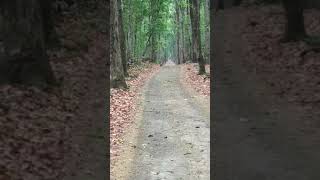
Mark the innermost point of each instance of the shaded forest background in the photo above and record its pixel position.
(281, 49)
(52, 53)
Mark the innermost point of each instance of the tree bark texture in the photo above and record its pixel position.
(25, 32)
(116, 68)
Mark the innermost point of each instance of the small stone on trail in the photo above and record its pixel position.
(197, 127)
(165, 137)
(144, 145)
(150, 135)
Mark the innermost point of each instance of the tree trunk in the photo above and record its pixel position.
(193, 33)
(51, 36)
(177, 32)
(25, 60)
(158, 53)
(190, 44)
(196, 36)
(108, 51)
(116, 69)
(153, 48)
(153, 32)
(182, 35)
(295, 29)
(130, 33)
(188, 31)
(135, 45)
(207, 30)
(122, 39)
(212, 10)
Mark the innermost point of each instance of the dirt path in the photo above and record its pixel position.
(170, 139)
(256, 136)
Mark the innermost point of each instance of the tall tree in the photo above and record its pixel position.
(25, 35)
(178, 48)
(182, 37)
(211, 10)
(189, 34)
(117, 79)
(154, 9)
(206, 32)
(193, 33)
(122, 39)
(158, 27)
(196, 35)
(295, 29)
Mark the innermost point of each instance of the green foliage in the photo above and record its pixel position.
(144, 19)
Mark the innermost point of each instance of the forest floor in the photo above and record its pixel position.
(169, 137)
(292, 69)
(123, 104)
(259, 134)
(40, 130)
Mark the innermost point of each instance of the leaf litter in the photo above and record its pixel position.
(123, 103)
(290, 69)
(200, 83)
(35, 125)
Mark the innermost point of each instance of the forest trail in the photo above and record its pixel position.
(169, 63)
(255, 135)
(171, 136)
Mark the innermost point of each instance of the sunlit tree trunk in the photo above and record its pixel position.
(190, 36)
(116, 68)
(212, 10)
(122, 39)
(182, 34)
(130, 44)
(196, 35)
(177, 32)
(193, 33)
(207, 29)
(153, 15)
